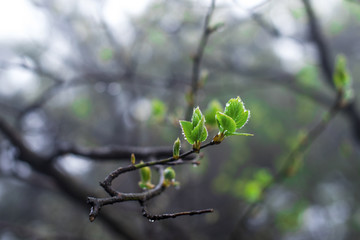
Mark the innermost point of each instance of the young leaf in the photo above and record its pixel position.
(196, 117)
(204, 134)
(213, 107)
(234, 117)
(236, 110)
(226, 124)
(195, 131)
(187, 129)
(198, 130)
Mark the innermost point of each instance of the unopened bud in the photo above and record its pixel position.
(176, 149)
(132, 159)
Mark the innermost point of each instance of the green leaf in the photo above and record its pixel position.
(82, 107)
(298, 13)
(204, 134)
(106, 54)
(341, 76)
(217, 26)
(213, 107)
(308, 75)
(158, 108)
(197, 132)
(242, 119)
(187, 129)
(342, 79)
(226, 124)
(196, 117)
(236, 110)
(263, 177)
(234, 117)
(252, 191)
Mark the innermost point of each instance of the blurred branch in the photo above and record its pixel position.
(24, 232)
(326, 63)
(279, 78)
(285, 170)
(24, 153)
(114, 152)
(325, 58)
(91, 78)
(115, 44)
(57, 87)
(5, 106)
(97, 203)
(43, 99)
(259, 19)
(270, 28)
(38, 69)
(197, 59)
(34, 179)
(65, 183)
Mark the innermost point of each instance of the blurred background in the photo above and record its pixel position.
(98, 73)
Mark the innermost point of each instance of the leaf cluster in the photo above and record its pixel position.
(234, 117)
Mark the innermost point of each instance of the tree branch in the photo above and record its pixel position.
(284, 171)
(154, 218)
(197, 59)
(326, 63)
(325, 58)
(65, 183)
(115, 196)
(114, 152)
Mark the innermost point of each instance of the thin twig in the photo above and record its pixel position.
(97, 203)
(106, 184)
(115, 196)
(154, 218)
